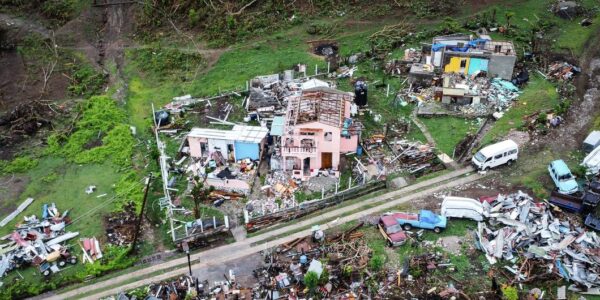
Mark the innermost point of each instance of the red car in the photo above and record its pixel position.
(391, 230)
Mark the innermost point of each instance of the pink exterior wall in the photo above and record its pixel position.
(194, 143)
(349, 145)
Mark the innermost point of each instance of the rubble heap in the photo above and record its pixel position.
(120, 227)
(562, 71)
(277, 194)
(519, 227)
(412, 156)
(38, 242)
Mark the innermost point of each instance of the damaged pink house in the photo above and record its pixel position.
(317, 131)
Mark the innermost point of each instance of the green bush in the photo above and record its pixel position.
(510, 293)
(18, 165)
(129, 189)
(113, 258)
(100, 134)
(376, 263)
(311, 279)
(193, 17)
(86, 81)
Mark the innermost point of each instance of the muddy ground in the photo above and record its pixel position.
(11, 187)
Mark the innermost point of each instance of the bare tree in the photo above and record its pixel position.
(49, 68)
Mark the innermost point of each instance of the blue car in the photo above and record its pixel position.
(562, 177)
(424, 219)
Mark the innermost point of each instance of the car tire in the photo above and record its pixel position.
(62, 263)
(46, 273)
(407, 227)
(437, 230)
(73, 260)
(509, 162)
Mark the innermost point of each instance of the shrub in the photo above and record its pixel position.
(193, 17)
(86, 81)
(510, 293)
(113, 258)
(101, 117)
(311, 279)
(18, 165)
(376, 263)
(129, 189)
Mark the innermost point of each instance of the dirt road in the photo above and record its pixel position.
(251, 245)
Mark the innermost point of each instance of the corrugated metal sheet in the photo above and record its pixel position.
(243, 133)
(277, 126)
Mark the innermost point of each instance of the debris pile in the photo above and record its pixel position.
(120, 226)
(539, 243)
(412, 157)
(276, 194)
(337, 262)
(458, 94)
(91, 249)
(38, 242)
(562, 71)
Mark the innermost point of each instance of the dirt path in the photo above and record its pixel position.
(582, 113)
(240, 249)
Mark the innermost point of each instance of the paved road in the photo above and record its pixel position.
(213, 258)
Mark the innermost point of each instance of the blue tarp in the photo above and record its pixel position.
(472, 44)
(246, 150)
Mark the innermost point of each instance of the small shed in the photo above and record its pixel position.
(240, 142)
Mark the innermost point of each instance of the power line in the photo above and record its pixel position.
(103, 204)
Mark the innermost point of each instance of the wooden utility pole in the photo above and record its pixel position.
(139, 221)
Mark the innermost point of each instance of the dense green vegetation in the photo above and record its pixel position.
(100, 134)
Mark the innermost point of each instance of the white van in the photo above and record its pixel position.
(459, 207)
(592, 162)
(497, 154)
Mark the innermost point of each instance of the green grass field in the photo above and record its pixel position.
(67, 191)
(449, 131)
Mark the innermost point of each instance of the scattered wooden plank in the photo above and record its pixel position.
(15, 213)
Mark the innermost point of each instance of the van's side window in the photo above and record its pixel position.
(498, 156)
(512, 151)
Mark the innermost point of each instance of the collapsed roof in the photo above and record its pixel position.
(321, 104)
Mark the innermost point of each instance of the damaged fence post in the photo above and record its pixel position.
(328, 66)
(336, 187)
(215, 222)
(350, 182)
(226, 219)
(316, 69)
(322, 193)
(387, 93)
